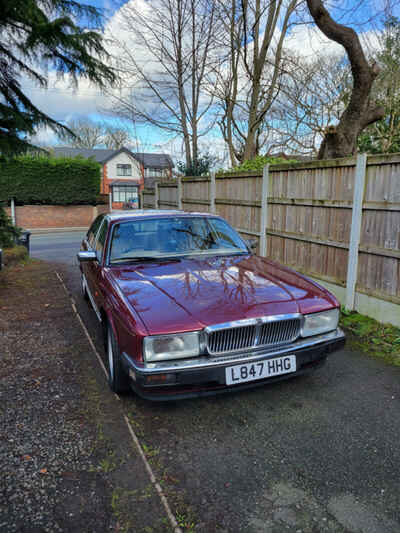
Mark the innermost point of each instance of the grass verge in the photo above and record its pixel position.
(370, 336)
(12, 256)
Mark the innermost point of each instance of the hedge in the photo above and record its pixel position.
(46, 180)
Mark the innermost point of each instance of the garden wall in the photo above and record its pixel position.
(33, 217)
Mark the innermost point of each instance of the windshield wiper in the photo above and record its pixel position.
(147, 258)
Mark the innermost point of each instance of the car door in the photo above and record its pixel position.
(93, 270)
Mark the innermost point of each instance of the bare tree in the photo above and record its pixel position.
(247, 80)
(116, 137)
(163, 61)
(313, 94)
(89, 134)
(341, 140)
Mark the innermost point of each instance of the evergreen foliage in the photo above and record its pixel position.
(36, 35)
(384, 136)
(200, 167)
(8, 233)
(43, 180)
(259, 162)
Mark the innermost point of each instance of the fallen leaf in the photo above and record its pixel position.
(43, 471)
(27, 458)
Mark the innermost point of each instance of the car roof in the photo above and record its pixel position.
(151, 213)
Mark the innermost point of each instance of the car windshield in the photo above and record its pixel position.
(173, 237)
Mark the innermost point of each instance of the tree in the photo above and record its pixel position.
(87, 134)
(247, 80)
(201, 167)
(115, 137)
(36, 35)
(8, 232)
(163, 59)
(360, 112)
(313, 94)
(384, 135)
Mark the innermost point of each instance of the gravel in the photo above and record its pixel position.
(49, 450)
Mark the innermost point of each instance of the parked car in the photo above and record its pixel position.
(187, 308)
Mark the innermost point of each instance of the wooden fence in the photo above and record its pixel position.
(337, 221)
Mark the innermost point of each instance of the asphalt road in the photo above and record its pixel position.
(57, 247)
(314, 454)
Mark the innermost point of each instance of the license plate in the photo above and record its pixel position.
(260, 370)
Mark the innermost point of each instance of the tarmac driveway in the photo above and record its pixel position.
(315, 454)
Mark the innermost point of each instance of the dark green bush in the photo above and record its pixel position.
(8, 233)
(45, 180)
(197, 168)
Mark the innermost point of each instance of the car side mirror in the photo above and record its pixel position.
(251, 244)
(84, 257)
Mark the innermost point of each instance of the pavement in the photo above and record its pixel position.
(314, 454)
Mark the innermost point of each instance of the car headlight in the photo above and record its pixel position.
(318, 323)
(176, 346)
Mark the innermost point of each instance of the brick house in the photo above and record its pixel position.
(124, 173)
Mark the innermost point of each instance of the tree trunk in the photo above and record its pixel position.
(341, 141)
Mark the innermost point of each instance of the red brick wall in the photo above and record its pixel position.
(56, 216)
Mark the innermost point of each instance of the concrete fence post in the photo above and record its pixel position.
(212, 192)
(355, 232)
(13, 217)
(264, 211)
(179, 192)
(110, 200)
(156, 196)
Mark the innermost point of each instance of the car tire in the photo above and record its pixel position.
(83, 289)
(118, 379)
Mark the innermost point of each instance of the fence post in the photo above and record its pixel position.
(13, 218)
(179, 192)
(156, 196)
(110, 199)
(264, 211)
(212, 192)
(141, 196)
(356, 216)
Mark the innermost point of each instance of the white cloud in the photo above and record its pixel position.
(309, 41)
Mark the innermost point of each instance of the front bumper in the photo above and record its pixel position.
(206, 375)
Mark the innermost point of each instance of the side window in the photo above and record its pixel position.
(227, 236)
(91, 234)
(101, 239)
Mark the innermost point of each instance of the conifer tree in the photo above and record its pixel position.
(38, 36)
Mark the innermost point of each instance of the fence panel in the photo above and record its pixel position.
(148, 196)
(309, 217)
(379, 257)
(196, 194)
(168, 195)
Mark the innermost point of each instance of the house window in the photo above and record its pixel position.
(124, 170)
(154, 172)
(124, 193)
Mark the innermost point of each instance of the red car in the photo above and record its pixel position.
(187, 309)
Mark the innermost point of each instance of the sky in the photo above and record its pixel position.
(64, 103)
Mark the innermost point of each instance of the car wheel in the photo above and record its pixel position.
(83, 288)
(117, 377)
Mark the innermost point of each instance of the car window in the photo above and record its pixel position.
(174, 236)
(91, 234)
(101, 239)
(227, 237)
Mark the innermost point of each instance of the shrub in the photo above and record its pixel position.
(44, 180)
(259, 162)
(200, 167)
(8, 233)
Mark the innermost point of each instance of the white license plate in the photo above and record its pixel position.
(260, 370)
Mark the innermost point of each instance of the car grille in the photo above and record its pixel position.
(253, 336)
